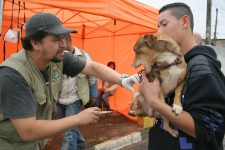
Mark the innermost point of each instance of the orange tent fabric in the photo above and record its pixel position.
(107, 29)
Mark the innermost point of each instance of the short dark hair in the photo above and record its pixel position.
(38, 36)
(178, 10)
(112, 63)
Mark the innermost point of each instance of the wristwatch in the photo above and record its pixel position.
(122, 77)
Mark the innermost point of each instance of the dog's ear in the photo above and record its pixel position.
(166, 43)
(150, 40)
(138, 44)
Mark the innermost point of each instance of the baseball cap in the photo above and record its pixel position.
(46, 22)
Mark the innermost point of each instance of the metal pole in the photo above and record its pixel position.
(208, 23)
(216, 24)
(1, 13)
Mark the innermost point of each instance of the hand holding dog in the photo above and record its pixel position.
(150, 90)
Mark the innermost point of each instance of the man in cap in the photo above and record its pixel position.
(29, 85)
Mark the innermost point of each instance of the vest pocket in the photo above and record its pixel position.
(55, 89)
(39, 91)
(41, 98)
(83, 87)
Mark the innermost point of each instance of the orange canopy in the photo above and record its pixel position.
(107, 29)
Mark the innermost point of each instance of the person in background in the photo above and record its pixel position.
(198, 38)
(30, 82)
(107, 90)
(93, 94)
(201, 125)
(73, 95)
(93, 86)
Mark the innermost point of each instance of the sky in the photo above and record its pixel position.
(198, 8)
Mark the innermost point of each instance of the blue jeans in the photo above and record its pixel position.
(72, 139)
(104, 97)
(94, 90)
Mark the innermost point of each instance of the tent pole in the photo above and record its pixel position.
(114, 98)
(1, 14)
(18, 28)
(83, 36)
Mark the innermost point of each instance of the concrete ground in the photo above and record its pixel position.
(143, 145)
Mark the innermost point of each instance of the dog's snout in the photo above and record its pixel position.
(136, 64)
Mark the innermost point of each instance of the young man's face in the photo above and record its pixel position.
(52, 48)
(168, 24)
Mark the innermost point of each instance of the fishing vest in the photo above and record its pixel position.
(45, 94)
(83, 85)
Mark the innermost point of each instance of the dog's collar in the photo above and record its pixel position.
(177, 61)
(156, 69)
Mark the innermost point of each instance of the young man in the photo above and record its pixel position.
(29, 85)
(201, 124)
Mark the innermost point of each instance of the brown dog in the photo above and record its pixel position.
(161, 56)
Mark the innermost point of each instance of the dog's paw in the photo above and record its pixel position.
(136, 114)
(177, 109)
(174, 133)
(131, 113)
(167, 128)
(136, 95)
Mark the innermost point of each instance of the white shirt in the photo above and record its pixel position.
(69, 93)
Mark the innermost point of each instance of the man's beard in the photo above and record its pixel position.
(55, 60)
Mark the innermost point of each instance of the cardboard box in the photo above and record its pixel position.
(145, 122)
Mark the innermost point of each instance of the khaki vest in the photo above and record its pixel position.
(83, 85)
(45, 96)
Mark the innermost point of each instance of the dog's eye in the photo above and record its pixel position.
(136, 51)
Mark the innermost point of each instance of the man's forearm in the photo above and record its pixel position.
(102, 72)
(31, 129)
(183, 121)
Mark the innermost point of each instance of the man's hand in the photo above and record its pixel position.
(150, 90)
(129, 81)
(89, 115)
